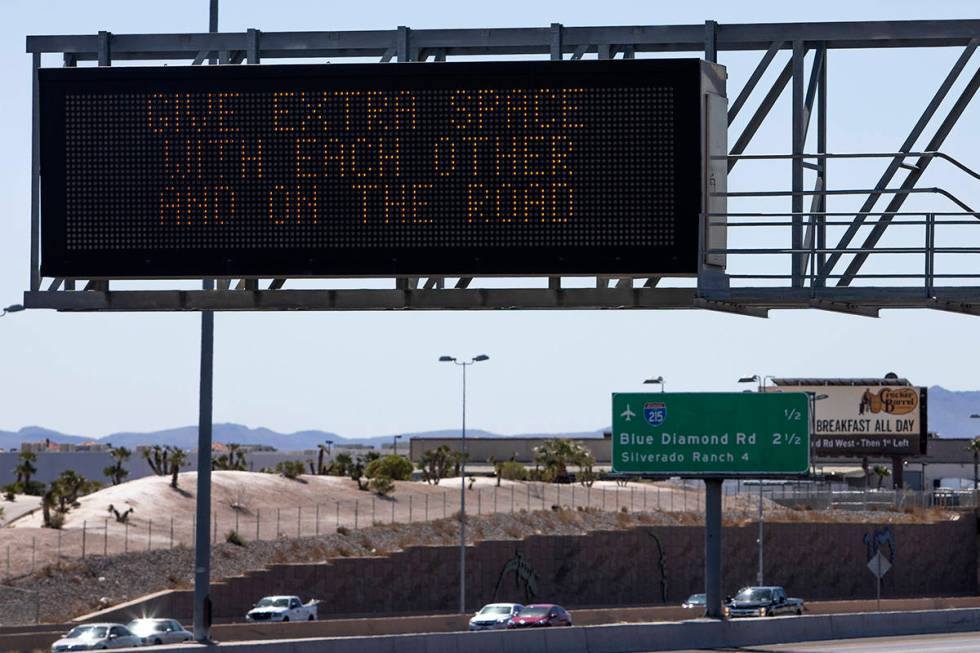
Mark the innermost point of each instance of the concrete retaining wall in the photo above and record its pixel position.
(604, 568)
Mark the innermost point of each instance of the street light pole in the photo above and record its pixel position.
(394, 444)
(761, 384)
(659, 380)
(13, 308)
(462, 480)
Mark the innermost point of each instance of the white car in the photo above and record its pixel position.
(91, 637)
(282, 608)
(154, 632)
(494, 616)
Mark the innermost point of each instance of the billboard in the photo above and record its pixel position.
(866, 419)
(718, 434)
(492, 168)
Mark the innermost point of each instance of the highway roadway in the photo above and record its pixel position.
(945, 643)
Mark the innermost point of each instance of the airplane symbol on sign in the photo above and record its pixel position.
(628, 414)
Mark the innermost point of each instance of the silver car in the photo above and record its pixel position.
(154, 632)
(494, 616)
(92, 637)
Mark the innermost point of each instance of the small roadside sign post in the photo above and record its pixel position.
(879, 566)
(712, 436)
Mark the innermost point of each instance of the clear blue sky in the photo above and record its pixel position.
(367, 374)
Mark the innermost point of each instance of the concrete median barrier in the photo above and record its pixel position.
(637, 638)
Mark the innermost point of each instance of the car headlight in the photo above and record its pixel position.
(726, 611)
(762, 612)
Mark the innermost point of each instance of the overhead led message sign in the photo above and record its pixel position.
(371, 170)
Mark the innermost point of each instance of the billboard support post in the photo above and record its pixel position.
(712, 548)
(202, 543)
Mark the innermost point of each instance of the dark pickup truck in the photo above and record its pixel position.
(762, 602)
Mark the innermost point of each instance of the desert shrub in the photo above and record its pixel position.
(55, 520)
(291, 469)
(233, 537)
(343, 530)
(382, 485)
(9, 491)
(395, 468)
(512, 470)
(542, 475)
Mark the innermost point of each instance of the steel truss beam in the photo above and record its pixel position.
(808, 238)
(515, 40)
(750, 301)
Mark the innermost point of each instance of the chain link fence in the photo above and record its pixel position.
(27, 549)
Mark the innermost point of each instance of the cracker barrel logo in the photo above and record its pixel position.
(894, 401)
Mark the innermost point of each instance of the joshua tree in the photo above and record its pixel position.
(233, 461)
(321, 467)
(116, 472)
(25, 469)
(435, 464)
(121, 517)
(157, 458)
(178, 458)
(63, 495)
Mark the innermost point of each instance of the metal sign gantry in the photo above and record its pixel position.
(820, 273)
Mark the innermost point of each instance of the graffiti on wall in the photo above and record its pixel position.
(662, 564)
(525, 578)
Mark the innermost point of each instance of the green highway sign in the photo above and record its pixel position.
(711, 433)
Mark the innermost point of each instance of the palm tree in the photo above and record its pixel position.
(882, 473)
(974, 448)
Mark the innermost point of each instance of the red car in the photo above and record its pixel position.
(540, 614)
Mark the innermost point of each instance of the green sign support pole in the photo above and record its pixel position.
(712, 547)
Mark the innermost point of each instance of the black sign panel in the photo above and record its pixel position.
(515, 168)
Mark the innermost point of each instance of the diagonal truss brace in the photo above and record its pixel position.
(897, 161)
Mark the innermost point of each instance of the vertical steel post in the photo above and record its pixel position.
(462, 505)
(35, 177)
(712, 548)
(798, 258)
(202, 545)
(760, 534)
(821, 234)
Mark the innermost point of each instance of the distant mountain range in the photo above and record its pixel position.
(186, 437)
(949, 416)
